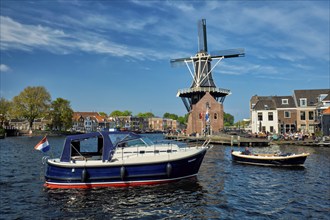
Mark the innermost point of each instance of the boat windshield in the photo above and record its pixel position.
(129, 140)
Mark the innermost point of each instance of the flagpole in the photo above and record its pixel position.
(51, 149)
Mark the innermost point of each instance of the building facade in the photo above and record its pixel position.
(162, 124)
(88, 121)
(325, 122)
(307, 102)
(284, 114)
(199, 122)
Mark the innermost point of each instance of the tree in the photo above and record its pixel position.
(228, 119)
(117, 113)
(242, 124)
(103, 114)
(31, 103)
(145, 115)
(61, 114)
(183, 119)
(170, 116)
(4, 110)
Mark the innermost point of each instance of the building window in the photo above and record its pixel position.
(287, 127)
(303, 102)
(311, 115)
(215, 116)
(259, 116)
(302, 116)
(271, 129)
(287, 114)
(311, 129)
(270, 116)
(285, 101)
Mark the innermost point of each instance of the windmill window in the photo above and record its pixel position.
(215, 116)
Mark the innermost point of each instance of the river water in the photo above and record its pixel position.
(222, 189)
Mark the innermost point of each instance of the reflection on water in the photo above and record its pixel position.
(153, 202)
(222, 190)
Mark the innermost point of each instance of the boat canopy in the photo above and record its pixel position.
(107, 142)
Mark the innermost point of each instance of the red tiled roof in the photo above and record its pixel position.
(97, 116)
(326, 111)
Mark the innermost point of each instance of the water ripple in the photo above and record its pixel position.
(223, 190)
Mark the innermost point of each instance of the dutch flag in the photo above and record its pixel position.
(207, 117)
(43, 145)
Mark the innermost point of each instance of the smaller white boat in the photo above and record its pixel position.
(287, 159)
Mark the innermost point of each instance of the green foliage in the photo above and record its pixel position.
(117, 113)
(242, 124)
(183, 119)
(145, 115)
(61, 114)
(2, 131)
(31, 103)
(103, 114)
(170, 116)
(228, 119)
(5, 106)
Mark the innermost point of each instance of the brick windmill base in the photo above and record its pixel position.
(196, 119)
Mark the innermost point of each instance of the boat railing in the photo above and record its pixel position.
(206, 143)
(154, 150)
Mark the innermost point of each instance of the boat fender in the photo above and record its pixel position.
(122, 173)
(168, 169)
(84, 175)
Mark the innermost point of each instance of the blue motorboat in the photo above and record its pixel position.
(120, 159)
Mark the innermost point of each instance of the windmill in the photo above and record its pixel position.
(200, 69)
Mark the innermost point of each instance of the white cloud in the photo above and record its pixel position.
(4, 68)
(15, 35)
(274, 30)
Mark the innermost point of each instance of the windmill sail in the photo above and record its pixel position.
(202, 39)
(230, 53)
(200, 68)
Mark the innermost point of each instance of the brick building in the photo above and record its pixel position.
(197, 122)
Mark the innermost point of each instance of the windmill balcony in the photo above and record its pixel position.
(182, 92)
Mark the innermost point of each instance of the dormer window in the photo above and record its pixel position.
(303, 102)
(322, 96)
(285, 101)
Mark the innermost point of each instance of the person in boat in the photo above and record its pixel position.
(246, 151)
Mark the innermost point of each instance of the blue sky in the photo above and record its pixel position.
(114, 55)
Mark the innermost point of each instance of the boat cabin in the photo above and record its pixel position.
(98, 145)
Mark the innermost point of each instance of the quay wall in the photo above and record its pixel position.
(223, 139)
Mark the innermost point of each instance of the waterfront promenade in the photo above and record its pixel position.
(222, 139)
(236, 140)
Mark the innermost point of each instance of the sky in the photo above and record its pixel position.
(115, 55)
